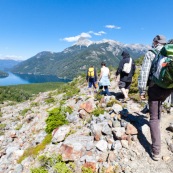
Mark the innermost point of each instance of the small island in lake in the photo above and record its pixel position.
(3, 74)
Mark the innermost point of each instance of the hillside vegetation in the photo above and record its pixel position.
(19, 93)
(67, 130)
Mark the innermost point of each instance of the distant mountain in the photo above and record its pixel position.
(7, 64)
(76, 59)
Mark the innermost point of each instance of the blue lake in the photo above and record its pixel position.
(16, 79)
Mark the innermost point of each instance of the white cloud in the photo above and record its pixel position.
(97, 33)
(84, 35)
(112, 27)
(75, 38)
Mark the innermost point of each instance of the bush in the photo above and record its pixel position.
(46, 161)
(55, 119)
(23, 112)
(62, 167)
(12, 94)
(98, 111)
(33, 151)
(55, 164)
(134, 92)
(87, 170)
(39, 170)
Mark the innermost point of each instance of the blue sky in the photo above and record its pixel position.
(28, 27)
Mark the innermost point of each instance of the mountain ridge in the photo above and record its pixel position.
(75, 60)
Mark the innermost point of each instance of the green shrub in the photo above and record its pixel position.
(50, 100)
(39, 170)
(55, 119)
(33, 151)
(46, 161)
(19, 126)
(87, 170)
(98, 111)
(62, 167)
(56, 164)
(134, 92)
(34, 104)
(13, 94)
(112, 102)
(98, 96)
(23, 112)
(2, 126)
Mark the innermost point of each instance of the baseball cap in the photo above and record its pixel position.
(160, 39)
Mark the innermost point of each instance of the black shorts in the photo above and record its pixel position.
(125, 85)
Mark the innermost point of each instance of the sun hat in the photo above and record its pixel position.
(160, 39)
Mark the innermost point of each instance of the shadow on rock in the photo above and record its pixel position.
(138, 121)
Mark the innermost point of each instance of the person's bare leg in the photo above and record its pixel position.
(124, 92)
(127, 92)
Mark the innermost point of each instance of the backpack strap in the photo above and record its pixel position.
(155, 51)
(154, 62)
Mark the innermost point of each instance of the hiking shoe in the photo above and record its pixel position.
(168, 110)
(156, 157)
(145, 110)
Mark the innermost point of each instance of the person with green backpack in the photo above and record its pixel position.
(156, 60)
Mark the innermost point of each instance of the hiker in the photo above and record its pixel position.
(156, 95)
(104, 81)
(167, 103)
(125, 74)
(91, 78)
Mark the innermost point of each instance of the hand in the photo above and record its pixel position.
(142, 97)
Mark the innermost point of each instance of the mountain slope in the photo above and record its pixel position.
(76, 59)
(100, 142)
(7, 64)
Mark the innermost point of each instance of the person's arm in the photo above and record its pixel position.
(120, 67)
(144, 73)
(108, 73)
(101, 74)
(87, 76)
(95, 75)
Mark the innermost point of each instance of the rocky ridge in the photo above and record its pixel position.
(116, 141)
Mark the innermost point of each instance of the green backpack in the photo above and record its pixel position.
(162, 67)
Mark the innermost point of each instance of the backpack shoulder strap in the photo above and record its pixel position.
(155, 51)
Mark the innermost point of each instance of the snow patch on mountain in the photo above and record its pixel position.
(82, 41)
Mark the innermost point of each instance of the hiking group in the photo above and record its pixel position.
(155, 80)
(126, 70)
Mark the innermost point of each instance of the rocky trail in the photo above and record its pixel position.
(117, 141)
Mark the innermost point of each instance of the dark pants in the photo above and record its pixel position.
(156, 96)
(91, 82)
(106, 90)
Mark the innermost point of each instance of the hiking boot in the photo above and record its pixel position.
(145, 110)
(168, 110)
(156, 157)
